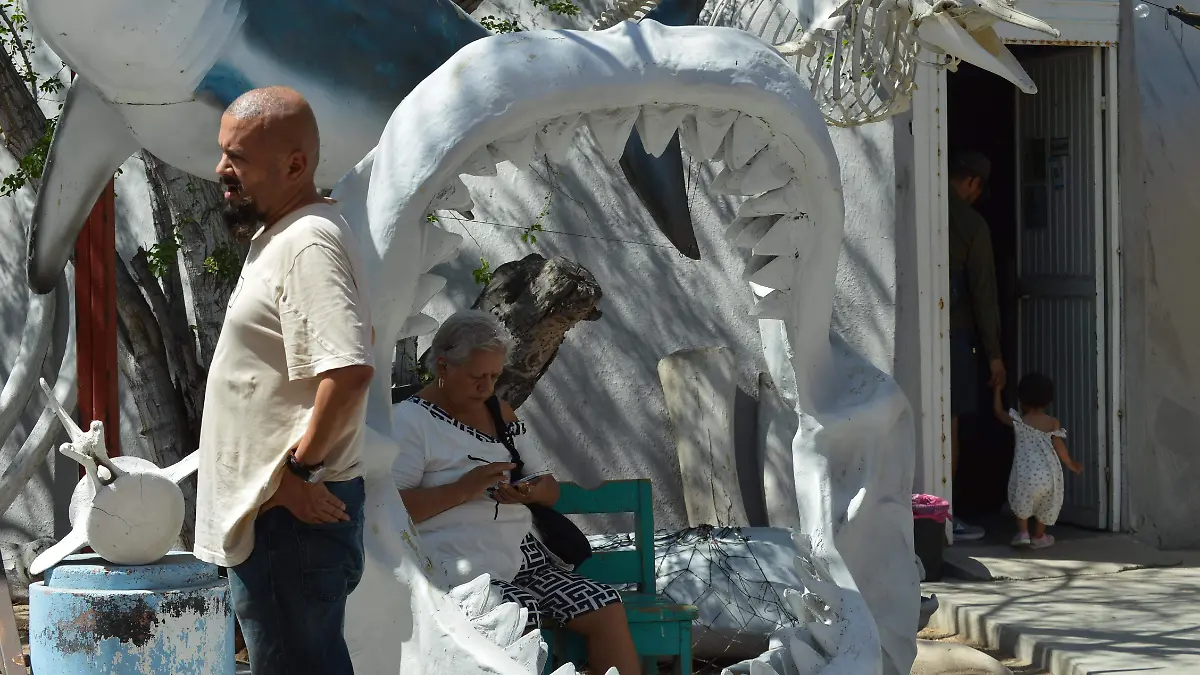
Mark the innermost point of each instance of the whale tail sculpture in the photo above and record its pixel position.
(157, 74)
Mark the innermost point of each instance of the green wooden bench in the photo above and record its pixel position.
(659, 626)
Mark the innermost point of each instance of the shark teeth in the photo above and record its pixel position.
(428, 286)
(786, 236)
(504, 624)
(748, 136)
(657, 125)
(787, 199)
(517, 148)
(770, 223)
(611, 129)
(777, 305)
(418, 324)
(776, 274)
(438, 245)
(454, 196)
(527, 651)
(480, 163)
(476, 596)
(765, 172)
(556, 136)
(754, 231)
(704, 132)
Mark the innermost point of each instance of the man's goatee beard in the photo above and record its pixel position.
(242, 219)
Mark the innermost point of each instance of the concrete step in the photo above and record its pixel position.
(1136, 621)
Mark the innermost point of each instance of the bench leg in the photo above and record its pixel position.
(683, 663)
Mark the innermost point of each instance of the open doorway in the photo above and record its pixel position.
(1045, 209)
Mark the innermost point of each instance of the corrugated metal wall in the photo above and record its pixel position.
(1057, 261)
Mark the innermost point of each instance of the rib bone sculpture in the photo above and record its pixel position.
(127, 509)
(733, 99)
(860, 57)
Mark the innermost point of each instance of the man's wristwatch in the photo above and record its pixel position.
(308, 474)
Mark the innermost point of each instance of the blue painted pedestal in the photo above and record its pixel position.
(172, 617)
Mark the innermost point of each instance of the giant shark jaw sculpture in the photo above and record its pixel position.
(157, 74)
(736, 101)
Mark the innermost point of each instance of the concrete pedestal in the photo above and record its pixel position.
(172, 617)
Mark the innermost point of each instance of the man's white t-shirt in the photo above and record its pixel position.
(482, 535)
(299, 310)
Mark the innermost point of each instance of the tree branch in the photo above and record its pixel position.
(21, 120)
(142, 358)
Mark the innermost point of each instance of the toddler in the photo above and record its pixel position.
(1035, 486)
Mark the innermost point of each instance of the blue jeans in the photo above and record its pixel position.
(290, 594)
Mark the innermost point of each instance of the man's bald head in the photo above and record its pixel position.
(285, 115)
(270, 148)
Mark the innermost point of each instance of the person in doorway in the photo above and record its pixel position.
(974, 313)
(280, 492)
(1035, 486)
(453, 475)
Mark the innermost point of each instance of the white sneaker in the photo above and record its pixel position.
(1044, 541)
(1021, 540)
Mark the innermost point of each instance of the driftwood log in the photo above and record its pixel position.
(538, 300)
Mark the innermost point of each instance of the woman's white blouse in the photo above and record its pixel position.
(479, 536)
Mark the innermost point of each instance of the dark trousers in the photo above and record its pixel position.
(964, 373)
(290, 594)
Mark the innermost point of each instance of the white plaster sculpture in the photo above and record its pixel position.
(699, 387)
(734, 100)
(860, 57)
(127, 509)
(777, 426)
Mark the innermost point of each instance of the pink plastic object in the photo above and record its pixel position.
(930, 507)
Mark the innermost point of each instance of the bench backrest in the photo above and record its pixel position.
(618, 496)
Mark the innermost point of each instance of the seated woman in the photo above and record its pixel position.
(451, 457)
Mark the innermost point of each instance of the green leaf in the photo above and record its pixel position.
(483, 273)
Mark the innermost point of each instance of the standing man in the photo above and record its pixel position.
(974, 314)
(280, 493)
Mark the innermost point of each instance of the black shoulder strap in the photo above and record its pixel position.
(493, 405)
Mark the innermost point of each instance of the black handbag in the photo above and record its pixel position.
(558, 533)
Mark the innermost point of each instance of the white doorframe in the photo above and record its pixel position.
(933, 279)
(933, 284)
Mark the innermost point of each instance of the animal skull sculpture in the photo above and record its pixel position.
(860, 57)
(127, 509)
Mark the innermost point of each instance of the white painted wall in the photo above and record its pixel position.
(1160, 167)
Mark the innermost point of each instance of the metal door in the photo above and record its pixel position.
(1060, 260)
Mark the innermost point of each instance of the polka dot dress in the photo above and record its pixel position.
(1035, 486)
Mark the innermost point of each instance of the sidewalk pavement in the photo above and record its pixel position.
(1093, 604)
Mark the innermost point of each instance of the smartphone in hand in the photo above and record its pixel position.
(530, 478)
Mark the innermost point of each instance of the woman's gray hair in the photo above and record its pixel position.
(465, 332)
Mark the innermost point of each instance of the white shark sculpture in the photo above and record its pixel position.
(734, 100)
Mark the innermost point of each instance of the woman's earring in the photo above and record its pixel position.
(441, 383)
